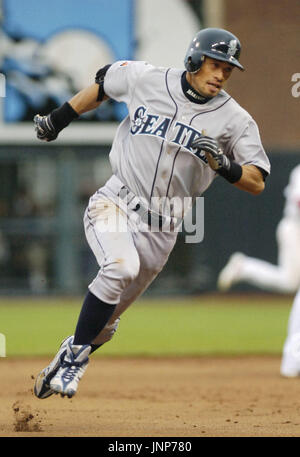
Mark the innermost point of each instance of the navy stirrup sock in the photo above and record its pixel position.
(93, 317)
(95, 347)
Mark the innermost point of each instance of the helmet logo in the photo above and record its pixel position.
(232, 48)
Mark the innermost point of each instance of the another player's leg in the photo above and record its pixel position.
(230, 274)
(259, 273)
(290, 362)
(284, 277)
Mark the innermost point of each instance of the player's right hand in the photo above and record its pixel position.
(214, 154)
(44, 128)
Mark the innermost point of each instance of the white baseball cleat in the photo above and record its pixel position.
(230, 273)
(289, 368)
(41, 387)
(75, 362)
(290, 372)
(290, 362)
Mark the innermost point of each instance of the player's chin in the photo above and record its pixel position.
(213, 90)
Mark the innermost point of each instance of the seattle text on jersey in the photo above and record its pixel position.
(145, 123)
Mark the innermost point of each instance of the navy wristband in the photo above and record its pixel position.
(234, 173)
(62, 116)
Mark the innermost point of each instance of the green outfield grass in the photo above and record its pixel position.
(204, 325)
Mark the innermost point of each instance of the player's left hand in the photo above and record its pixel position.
(216, 158)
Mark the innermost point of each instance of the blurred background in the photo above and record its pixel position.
(49, 51)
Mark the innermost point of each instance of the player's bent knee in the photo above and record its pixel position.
(113, 278)
(126, 269)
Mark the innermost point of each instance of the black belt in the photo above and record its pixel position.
(151, 218)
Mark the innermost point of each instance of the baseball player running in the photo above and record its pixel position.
(182, 131)
(285, 276)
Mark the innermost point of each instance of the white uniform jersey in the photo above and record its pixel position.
(292, 195)
(152, 153)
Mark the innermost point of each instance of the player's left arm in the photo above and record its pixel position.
(251, 180)
(248, 178)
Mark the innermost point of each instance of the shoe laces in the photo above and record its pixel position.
(73, 369)
(71, 373)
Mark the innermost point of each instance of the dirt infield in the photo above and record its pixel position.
(203, 397)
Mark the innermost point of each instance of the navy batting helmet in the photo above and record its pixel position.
(218, 44)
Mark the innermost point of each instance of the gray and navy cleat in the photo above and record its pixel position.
(72, 369)
(42, 388)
